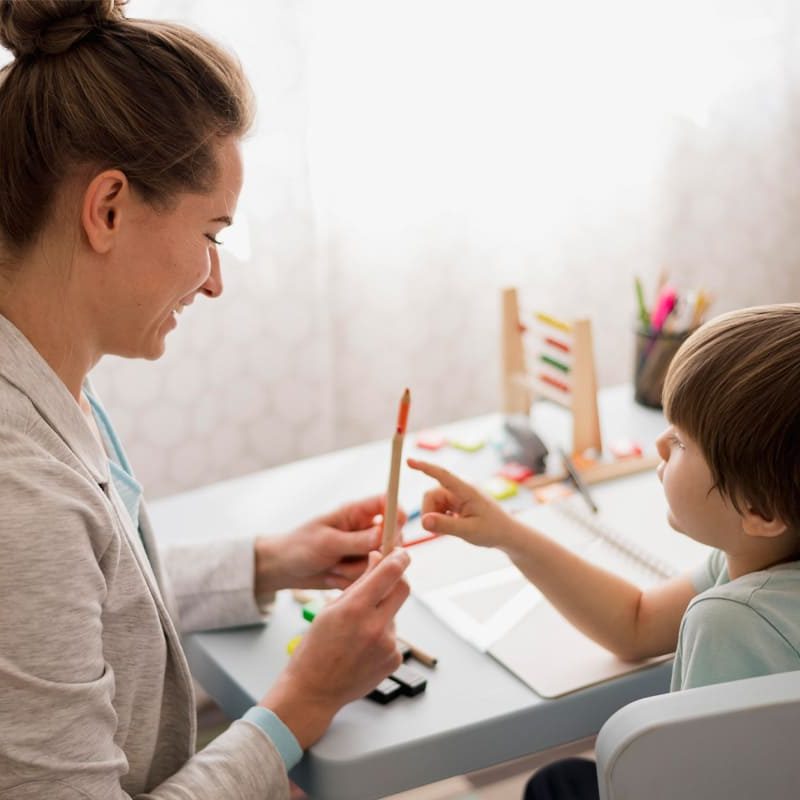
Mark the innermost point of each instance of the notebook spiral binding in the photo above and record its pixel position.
(625, 545)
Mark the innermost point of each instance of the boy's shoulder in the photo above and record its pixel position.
(772, 594)
(741, 628)
(777, 585)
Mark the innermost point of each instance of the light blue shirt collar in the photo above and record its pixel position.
(129, 489)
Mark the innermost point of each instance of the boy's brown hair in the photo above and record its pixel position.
(734, 387)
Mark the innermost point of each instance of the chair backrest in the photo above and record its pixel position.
(729, 741)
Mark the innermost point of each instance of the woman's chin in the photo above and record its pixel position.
(157, 351)
(152, 349)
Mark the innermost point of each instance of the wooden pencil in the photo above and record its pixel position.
(420, 655)
(389, 537)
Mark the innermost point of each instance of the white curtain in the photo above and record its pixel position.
(412, 157)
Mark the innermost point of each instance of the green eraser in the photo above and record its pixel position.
(310, 610)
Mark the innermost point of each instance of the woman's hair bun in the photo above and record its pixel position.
(30, 27)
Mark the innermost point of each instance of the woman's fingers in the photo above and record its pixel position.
(370, 587)
(347, 544)
(361, 516)
(373, 559)
(392, 602)
(356, 515)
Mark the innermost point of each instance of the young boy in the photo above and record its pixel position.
(731, 475)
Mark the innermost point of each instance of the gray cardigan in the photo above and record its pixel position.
(96, 698)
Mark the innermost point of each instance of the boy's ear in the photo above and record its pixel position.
(756, 525)
(104, 206)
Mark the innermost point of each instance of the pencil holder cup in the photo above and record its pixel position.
(654, 352)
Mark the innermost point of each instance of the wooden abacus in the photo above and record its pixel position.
(545, 358)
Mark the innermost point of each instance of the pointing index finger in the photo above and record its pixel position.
(444, 476)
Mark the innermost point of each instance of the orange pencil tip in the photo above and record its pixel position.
(402, 414)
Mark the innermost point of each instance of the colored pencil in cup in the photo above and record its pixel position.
(665, 305)
(644, 314)
(390, 514)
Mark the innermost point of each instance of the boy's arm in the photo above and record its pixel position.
(631, 622)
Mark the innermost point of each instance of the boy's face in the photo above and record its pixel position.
(695, 507)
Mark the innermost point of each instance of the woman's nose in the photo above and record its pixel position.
(213, 285)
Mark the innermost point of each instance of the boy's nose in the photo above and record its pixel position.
(662, 446)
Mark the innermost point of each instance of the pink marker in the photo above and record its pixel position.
(665, 303)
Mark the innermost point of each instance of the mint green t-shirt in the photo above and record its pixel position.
(741, 628)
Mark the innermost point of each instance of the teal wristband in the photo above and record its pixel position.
(276, 730)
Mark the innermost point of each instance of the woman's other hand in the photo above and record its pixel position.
(328, 552)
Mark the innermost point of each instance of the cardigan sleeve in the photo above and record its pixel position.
(240, 763)
(212, 584)
(64, 736)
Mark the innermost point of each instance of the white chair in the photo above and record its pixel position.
(729, 741)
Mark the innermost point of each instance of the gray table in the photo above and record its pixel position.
(474, 713)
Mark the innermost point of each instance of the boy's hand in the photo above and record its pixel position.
(459, 509)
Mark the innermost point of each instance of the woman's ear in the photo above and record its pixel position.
(105, 203)
(754, 524)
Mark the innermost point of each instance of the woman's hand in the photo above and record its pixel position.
(459, 509)
(348, 650)
(328, 552)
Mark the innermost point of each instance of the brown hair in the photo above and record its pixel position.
(90, 87)
(734, 387)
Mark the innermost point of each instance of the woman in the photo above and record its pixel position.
(119, 144)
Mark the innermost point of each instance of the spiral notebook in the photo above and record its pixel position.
(482, 596)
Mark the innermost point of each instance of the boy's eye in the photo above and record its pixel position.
(212, 238)
(675, 441)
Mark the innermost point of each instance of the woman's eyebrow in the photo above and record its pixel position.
(227, 220)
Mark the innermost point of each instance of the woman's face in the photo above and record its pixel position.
(165, 260)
